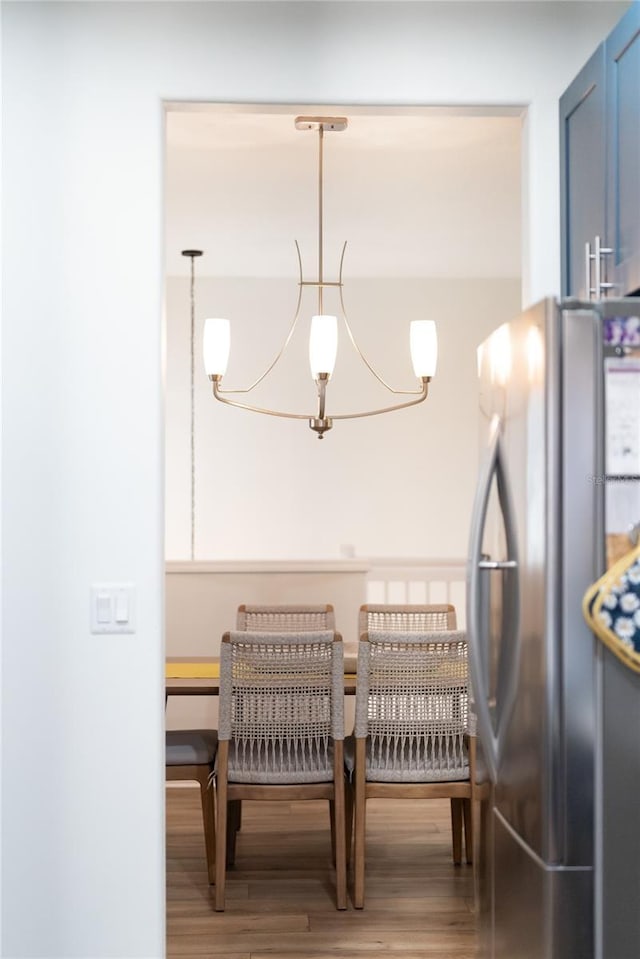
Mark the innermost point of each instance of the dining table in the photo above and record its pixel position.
(200, 675)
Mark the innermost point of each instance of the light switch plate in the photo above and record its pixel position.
(112, 608)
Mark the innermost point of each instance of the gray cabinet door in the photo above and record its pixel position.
(582, 172)
(622, 50)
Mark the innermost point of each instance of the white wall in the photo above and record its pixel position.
(394, 485)
(82, 459)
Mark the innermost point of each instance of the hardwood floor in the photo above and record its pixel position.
(280, 894)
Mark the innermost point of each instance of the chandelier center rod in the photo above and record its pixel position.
(334, 124)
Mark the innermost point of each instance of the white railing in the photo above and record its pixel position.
(418, 581)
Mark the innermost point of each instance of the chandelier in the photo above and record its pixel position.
(323, 336)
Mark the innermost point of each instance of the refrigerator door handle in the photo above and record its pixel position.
(479, 565)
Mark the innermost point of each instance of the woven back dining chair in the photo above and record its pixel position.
(289, 618)
(414, 731)
(281, 730)
(283, 618)
(406, 618)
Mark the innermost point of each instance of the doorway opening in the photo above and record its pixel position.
(429, 200)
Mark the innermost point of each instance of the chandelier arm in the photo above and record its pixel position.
(424, 392)
(344, 250)
(366, 362)
(300, 277)
(254, 409)
(296, 317)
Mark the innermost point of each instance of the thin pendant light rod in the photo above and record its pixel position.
(320, 219)
(193, 254)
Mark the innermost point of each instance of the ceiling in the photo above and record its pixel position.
(422, 193)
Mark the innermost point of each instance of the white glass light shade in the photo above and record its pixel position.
(216, 345)
(424, 347)
(323, 344)
(535, 354)
(500, 356)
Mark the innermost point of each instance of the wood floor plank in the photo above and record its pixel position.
(432, 907)
(388, 923)
(320, 891)
(436, 953)
(317, 943)
(178, 908)
(400, 953)
(235, 925)
(179, 954)
(202, 891)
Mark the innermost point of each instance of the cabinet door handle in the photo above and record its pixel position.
(601, 286)
(588, 260)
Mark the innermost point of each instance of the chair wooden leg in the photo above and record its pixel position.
(339, 826)
(209, 822)
(238, 814)
(332, 820)
(360, 824)
(348, 813)
(467, 813)
(471, 832)
(456, 830)
(221, 858)
(233, 812)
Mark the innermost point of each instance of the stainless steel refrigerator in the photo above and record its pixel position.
(558, 716)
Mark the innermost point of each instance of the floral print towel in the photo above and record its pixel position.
(611, 607)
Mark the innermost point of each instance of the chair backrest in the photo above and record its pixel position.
(281, 705)
(406, 619)
(412, 705)
(280, 619)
